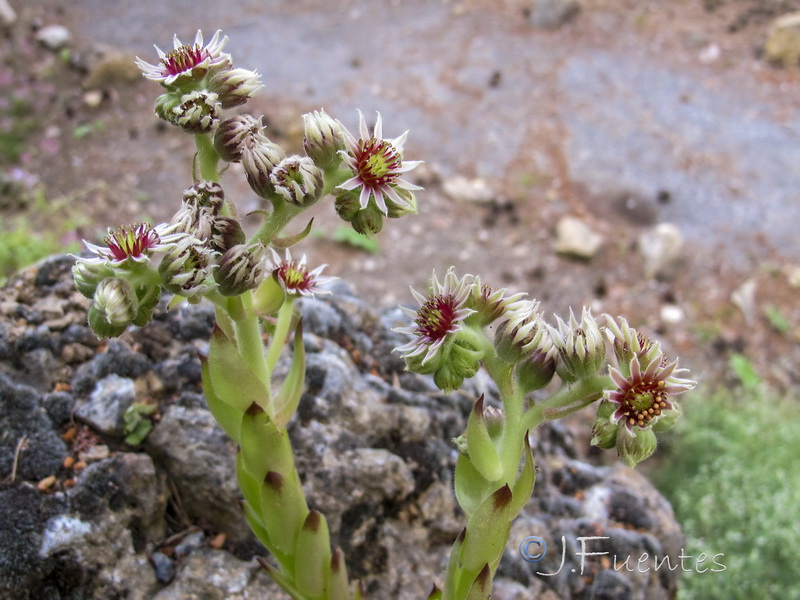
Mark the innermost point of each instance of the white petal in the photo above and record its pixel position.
(378, 131)
(351, 184)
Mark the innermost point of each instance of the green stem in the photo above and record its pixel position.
(281, 332)
(570, 398)
(282, 213)
(248, 338)
(207, 157)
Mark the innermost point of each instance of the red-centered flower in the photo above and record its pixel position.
(439, 316)
(377, 165)
(187, 63)
(644, 396)
(295, 278)
(136, 242)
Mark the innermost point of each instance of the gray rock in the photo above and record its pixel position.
(552, 14)
(576, 238)
(27, 434)
(218, 575)
(106, 407)
(7, 14)
(201, 461)
(460, 188)
(782, 45)
(661, 248)
(53, 37)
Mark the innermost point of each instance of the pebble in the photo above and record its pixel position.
(576, 238)
(461, 188)
(7, 14)
(552, 14)
(164, 567)
(661, 249)
(672, 314)
(782, 46)
(53, 37)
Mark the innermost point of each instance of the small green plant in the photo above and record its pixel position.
(745, 371)
(137, 425)
(351, 237)
(777, 320)
(731, 475)
(21, 247)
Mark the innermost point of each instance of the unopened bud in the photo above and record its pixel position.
(323, 139)
(198, 112)
(226, 232)
(297, 180)
(347, 205)
(605, 428)
(114, 307)
(233, 134)
(235, 86)
(185, 270)
(635, 446)
(258, 161)
(581, 350)
(240, 269)
(88, 274)
(368, 221)
(395, 210)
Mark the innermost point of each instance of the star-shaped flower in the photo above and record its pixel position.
(377, 166)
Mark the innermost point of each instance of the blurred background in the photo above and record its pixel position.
(636, 156)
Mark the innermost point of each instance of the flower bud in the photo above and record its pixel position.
(446, 379)
(268, 297)
(233, 134)
(323, 139)
(668, 418)
(297, 180)
(347, 205)
(205, 195)
(235, 86)
(368, 221)
(490, 304)
(88, 274)
(628, 343)
(185, 270)
(240, 269)
(581, 350)
(165, 104)
(395, 210)
(258, 161)
(522, 332)
(225, 233)
(635, 446)
(114, 307)
(198, 112)
(606, 427)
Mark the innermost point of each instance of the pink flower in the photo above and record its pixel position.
(295, 278)
(187, 63)
(439, 316)
(644, 396)
(377, 165)
(136, 242)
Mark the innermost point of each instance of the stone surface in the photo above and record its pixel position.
(782, 46)
(577, 239)
(661, 248)
(53, 37)
(552, 14)
(107, 405)
(460, 188)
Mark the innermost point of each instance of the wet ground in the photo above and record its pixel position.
(634, 113)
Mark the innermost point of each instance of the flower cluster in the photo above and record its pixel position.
(637, 396)
(200, 81)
